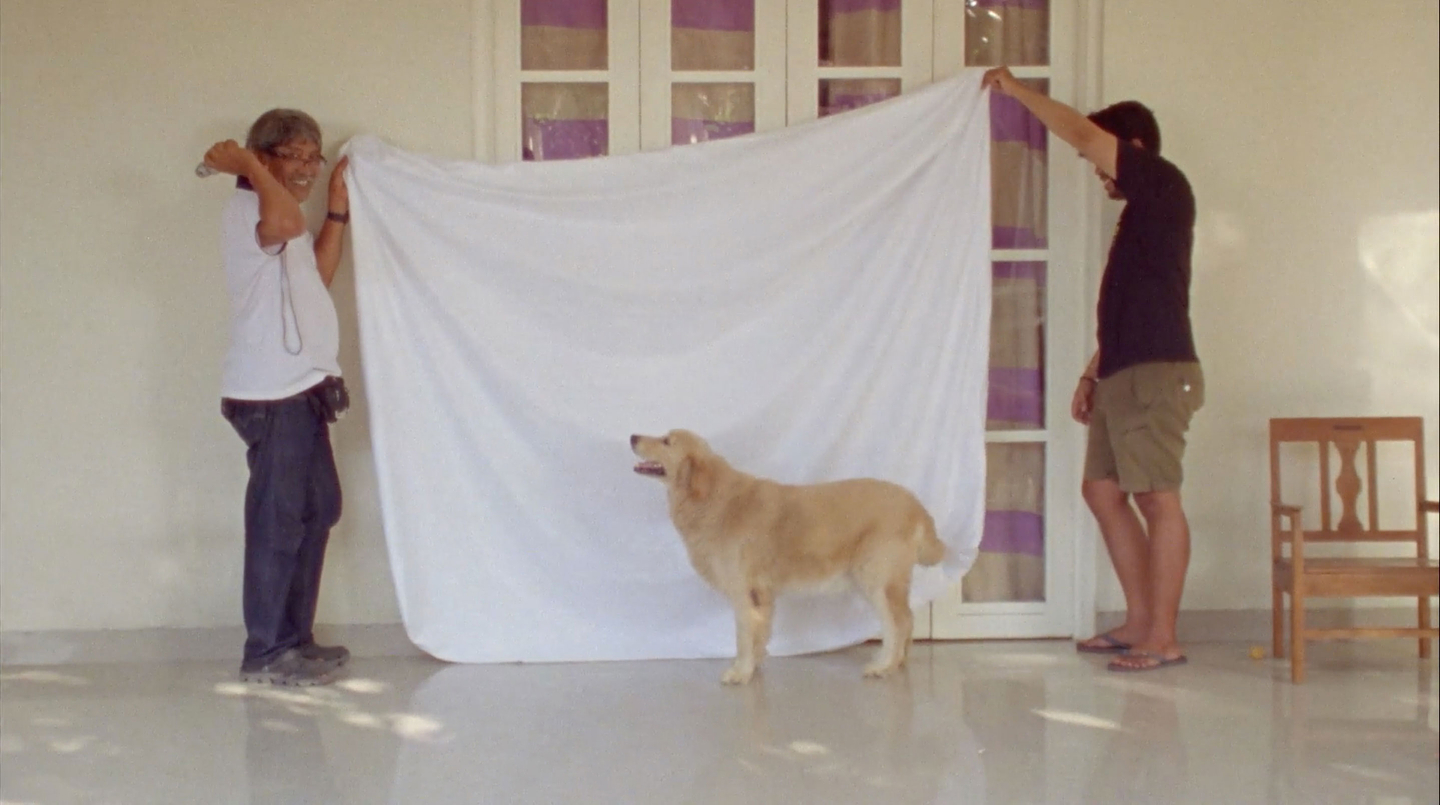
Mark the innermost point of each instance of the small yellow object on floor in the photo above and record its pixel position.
(1257, 653)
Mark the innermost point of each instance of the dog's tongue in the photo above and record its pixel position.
(650, 468)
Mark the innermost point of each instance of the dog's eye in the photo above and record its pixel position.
(666, 441)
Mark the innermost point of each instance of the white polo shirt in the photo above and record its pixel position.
(284, 335)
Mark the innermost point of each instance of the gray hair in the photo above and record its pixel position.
(280, 126)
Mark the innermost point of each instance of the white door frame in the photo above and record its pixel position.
(1070, 533)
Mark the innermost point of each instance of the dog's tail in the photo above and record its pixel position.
(931, 549)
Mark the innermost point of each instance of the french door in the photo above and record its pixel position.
(568, 79)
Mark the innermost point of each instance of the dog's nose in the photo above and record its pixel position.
(634, 439)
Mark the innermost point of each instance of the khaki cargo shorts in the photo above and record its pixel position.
(1138, 422)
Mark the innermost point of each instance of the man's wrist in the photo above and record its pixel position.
(338, 217)
(1019, 90)
(254, 167)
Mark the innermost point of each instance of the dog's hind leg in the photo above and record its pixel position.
(763, 602)
(892, 604)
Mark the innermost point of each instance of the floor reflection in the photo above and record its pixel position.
(967, 723)
(807, 729)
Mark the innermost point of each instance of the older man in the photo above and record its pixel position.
(281, 386)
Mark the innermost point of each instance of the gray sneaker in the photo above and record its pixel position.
(333, 656)
(290, 668)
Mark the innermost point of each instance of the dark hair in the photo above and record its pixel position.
(1130, 120)
(280, 126)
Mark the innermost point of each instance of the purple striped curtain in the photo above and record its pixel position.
(1018, 166)
(711, 35)
(564, 120)
(843, 94)
(1017, 347)
(1013, 32)
(859, 33)
(563, 35)
(700, 112)
(1011, 562)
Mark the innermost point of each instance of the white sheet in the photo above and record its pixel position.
(814, 301)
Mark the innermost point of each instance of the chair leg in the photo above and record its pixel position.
(1424, 611)
(1277, 617)
(1297, 636)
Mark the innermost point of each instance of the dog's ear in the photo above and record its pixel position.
(700, 477)
(682, 473)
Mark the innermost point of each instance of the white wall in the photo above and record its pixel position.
(122, 487)
(1308, 129)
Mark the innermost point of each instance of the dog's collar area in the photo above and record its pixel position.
(651, 468)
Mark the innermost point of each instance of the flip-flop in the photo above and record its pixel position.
(1159, 661)
(1109, 645)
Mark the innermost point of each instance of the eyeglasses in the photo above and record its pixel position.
(315, 161)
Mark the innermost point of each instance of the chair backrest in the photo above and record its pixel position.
(1349, 436)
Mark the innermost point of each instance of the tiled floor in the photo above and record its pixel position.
(968, 723)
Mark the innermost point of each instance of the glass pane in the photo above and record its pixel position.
(1017, 347)
(565, 121)
(1019, 160)
(700, 112)
(563, 35)
(712, 34)
(1011, 562)
(859, 33)
(1007, 32)
(843, 94)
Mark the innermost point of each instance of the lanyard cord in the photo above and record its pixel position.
(287, 293)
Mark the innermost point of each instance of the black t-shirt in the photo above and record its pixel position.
(1144, 309)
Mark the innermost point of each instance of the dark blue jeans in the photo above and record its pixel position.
(292, 501)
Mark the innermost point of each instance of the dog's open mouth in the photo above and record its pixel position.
(651, 468)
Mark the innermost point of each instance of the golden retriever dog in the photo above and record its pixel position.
(753, 539)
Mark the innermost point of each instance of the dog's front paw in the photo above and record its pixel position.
(878, 670)
(737, 675)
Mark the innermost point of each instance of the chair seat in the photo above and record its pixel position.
(1360, 577)
(1347, 565)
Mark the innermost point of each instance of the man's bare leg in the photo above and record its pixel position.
(1129, 549)
(1169, 559)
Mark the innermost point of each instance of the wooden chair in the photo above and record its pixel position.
(1305, 577)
